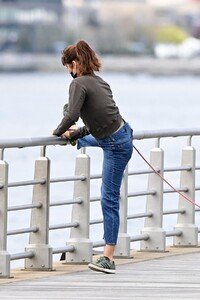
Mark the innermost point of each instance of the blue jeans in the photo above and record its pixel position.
(117, 151)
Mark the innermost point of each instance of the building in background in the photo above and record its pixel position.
(111, 26)
(27, 25)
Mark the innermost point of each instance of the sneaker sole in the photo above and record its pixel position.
(99, 269)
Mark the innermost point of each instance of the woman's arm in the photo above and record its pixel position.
(71, 116)
(74, 133)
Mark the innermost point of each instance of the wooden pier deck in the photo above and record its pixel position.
(174, 274)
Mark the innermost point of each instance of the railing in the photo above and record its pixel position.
(79, 246)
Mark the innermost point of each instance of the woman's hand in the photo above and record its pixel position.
(72, 128)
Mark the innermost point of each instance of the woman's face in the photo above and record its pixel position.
(69, 67)
(73, 68)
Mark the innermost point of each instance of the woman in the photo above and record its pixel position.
(90, 98)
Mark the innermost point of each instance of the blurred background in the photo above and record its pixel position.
(134, 28)
(133, 38)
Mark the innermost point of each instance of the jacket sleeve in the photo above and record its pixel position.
(71, 111)
(65, 124)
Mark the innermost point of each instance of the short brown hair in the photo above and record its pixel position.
(83, 53)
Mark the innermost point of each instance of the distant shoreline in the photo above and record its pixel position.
(135, 65)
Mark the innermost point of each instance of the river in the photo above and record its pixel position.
(31, 103)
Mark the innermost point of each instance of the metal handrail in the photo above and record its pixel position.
(23, 230)
(67, 225)
(27, 254)
(25, 206)
(54, 140)
(32, 141)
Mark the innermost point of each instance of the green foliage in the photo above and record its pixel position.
(169, 34)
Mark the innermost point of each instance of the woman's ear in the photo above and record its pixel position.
(75, 67)
(73, 64)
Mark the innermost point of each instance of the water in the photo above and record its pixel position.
(31, 106)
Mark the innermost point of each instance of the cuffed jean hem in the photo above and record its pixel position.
(111, 244)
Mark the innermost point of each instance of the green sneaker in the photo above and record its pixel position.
(103, 264)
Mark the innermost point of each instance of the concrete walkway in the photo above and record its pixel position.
(170, 275)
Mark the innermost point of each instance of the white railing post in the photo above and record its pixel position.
(4, 255)
(123, 244)
(79, 235)
(153, 225)
(38, 241)
(186, 221)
